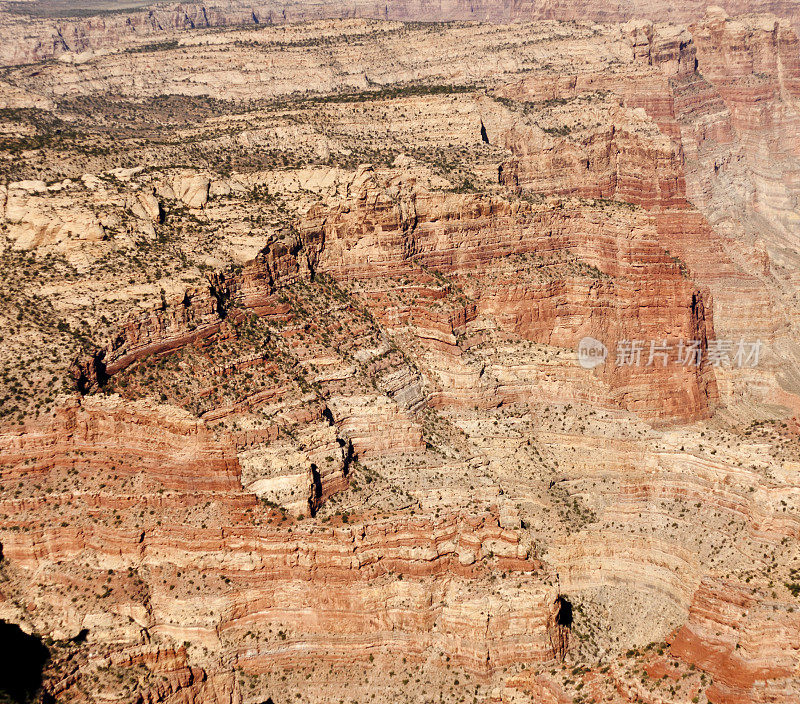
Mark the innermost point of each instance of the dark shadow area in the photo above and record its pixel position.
(313, 500)
(564, 615)
(22, 659)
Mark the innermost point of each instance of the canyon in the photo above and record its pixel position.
(292, 404)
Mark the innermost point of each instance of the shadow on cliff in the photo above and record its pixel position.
(22, 659)
(564, 613)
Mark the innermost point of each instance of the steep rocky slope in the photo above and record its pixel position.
(292, 404)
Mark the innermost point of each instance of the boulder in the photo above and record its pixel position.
(191, 189)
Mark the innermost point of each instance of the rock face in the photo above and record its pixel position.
(701, 158)
(191, 189)
(27, 40)
(143, 434)
(296, 411)
(467, 238)
(748, 646)
(33, 221)
(754, 65)
(162, 463)
(163, 674)
(146, 207)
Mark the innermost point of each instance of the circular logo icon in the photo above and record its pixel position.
(591, 353)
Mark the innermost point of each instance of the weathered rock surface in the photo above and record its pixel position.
(28, 40)
(294, 412)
